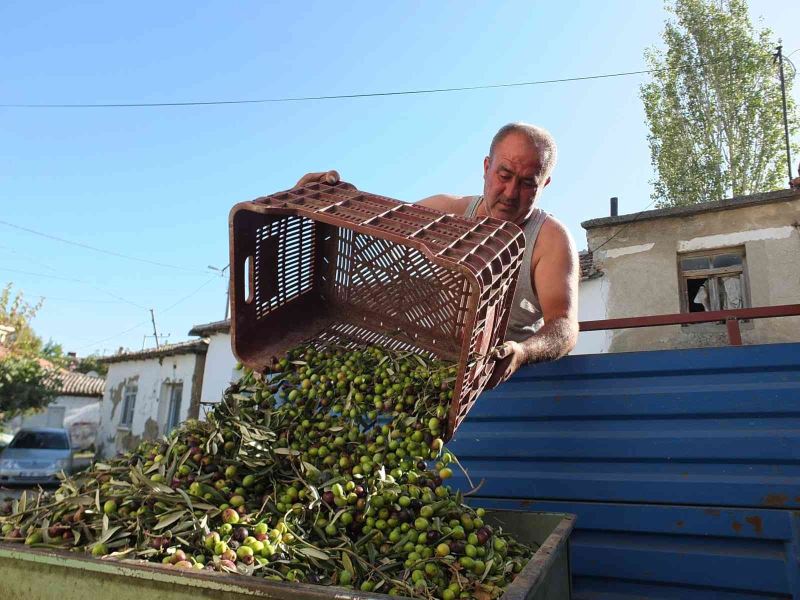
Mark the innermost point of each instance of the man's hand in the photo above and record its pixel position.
(510, 357)
(329, 177)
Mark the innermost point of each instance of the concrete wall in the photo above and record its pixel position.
(219, 370)
(593, 306)
(640, 264)
(60, 413)
(152, 377)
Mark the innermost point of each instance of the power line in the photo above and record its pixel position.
(343, 96)
(77, 300)
(147, 322)
(116, 335)
(625, 225)
(215, 278)
(72, 279)
(100, 250)
(47, 276)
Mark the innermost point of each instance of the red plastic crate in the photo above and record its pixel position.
(329, 262)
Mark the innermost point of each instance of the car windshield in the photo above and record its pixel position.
(40, 440)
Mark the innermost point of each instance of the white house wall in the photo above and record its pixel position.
(593, 306)
(69, 404)
(150, 410)
(219, 369)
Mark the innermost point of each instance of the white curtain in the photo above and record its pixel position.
(733, 292)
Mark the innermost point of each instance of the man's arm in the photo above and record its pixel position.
(454, 205)
(554, 272)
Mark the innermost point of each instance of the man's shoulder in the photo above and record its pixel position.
(553, 227)
(554, 237)
(448, 203)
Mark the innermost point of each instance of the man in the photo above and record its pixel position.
(543, 324)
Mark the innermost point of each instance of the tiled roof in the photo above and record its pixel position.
(79, 384)
(71, 383)
(45, 364)
(588, 269)
(208, 328)
(190, 347)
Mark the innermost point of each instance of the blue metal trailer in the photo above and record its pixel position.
(682, 466)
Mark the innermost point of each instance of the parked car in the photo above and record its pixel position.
(36, 455)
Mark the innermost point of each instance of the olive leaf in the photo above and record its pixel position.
(314, 553)
(168, 519)
(348, 565)
(106, 535)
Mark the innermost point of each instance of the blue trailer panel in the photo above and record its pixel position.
(683, 467)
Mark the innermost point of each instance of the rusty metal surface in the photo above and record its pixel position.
(328, 260)
(36, 574)
(734, 333)
(760, 312)
(682, 466)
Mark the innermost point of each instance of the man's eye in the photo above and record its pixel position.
(505, 176)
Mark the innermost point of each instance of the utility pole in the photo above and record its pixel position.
(778, 56)
(153, 319)
(227, 300)
(228, 292)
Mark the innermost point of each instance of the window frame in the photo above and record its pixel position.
(170, 406)
(684, 276)
(128, 405)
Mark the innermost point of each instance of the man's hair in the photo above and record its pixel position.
(538, 136)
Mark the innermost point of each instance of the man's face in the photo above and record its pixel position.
(512, 179)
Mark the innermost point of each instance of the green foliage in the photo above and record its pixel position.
(54, 353)
(24, 385)
(714, 106)
(92, 363)
(16, 312)
(28, 379)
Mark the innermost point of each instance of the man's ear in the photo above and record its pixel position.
(485, 166)
(546, 183)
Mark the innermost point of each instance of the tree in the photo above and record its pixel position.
(92, 363)
(714, 106)
(27, 380)
(25, 384)
(17, 313)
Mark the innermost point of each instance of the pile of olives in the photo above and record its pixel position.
(329, 469)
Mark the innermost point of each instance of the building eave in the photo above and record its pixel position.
(696, 209)
(207, 329)
(190, 347)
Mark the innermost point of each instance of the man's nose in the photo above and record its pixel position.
(512, 189)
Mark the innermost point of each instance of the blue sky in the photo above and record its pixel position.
(157, 183)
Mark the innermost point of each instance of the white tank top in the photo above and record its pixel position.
(526, 313)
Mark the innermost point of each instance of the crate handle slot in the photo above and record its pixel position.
(249, 275)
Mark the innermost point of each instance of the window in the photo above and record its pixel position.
(40, 440)
(128, 404)
(174, 408)
(713, 280)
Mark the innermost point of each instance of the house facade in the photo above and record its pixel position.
(76, 409)
(737, 253)
(220, 368)
(591, 306)
(150, 392)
